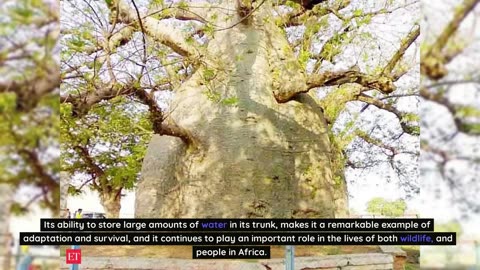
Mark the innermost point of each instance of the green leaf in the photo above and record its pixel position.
(467, 111)
(208, 74)
(303, 58)
(230, 101)
(358, 12)
(17, 209)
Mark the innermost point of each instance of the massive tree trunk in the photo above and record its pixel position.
(254, 157)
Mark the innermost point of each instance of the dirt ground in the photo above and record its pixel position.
(185, 252)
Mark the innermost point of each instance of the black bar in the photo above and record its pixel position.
(231, 252)
(192, 239)
(221, 225)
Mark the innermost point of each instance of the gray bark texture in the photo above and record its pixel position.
(255, 158)
(111, 203)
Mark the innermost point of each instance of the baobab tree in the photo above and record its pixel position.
(257, 95)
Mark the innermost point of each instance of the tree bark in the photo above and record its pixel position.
(64, 183)
(254, 158)
(111, 203)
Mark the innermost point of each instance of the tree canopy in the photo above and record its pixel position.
(389, 208)
(29, 104)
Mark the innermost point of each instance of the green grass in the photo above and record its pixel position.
(410, 266)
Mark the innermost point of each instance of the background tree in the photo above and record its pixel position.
(105, 150)
(395, 208)
(450, 119)
(248, 100)
(450, 90)
(375, 206)
(389, 208)
(29, 81)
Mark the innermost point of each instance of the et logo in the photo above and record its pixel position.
(73, 256)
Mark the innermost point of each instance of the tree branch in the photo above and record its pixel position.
(31, 158)
(156, 29)
(393, 151)
(461, 12)
(383, 82)
(30, 91)
(461, 124)
(96, 171)
(161, 125)
(199, 12)
(409, 39)
(83, 102)
(434, 60)
(364, 136)
(406, 127)
(297, 18)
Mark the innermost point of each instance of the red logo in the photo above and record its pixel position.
(74, 256)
